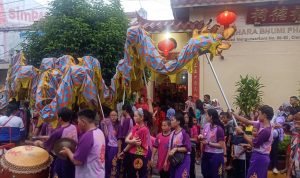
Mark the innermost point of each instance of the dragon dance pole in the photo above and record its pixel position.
(145, 81)
(100, 106)
(220, 87)
(124, 94)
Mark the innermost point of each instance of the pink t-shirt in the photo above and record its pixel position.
(162, 145)
(195, 131)
(144, 134)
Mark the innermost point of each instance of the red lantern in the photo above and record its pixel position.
(226, 18)
(167, 45)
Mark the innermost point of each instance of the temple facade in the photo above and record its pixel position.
(266, 45)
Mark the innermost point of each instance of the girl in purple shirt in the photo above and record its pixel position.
(125, 128)
(110, 127)
(261, 144)
(213, 142)
(179, 142)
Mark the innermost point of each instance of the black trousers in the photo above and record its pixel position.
(193, 161)
(274, 153)
(130, 170)
(239, 168)
(164, 174)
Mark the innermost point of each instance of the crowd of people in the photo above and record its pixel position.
(145, 136)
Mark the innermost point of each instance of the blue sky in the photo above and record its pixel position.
(157, 9)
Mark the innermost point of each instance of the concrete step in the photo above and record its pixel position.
(271, 175)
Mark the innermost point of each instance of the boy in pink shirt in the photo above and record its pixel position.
(161, 145)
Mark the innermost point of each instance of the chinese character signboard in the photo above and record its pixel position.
(275, 14)
(196, 80)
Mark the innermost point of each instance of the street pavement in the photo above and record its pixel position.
(197, 168)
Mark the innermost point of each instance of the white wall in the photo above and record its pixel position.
(276, 62)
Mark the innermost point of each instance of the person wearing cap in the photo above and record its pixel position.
(170, 113)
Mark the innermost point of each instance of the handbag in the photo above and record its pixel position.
(177, 158)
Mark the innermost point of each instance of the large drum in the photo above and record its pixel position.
(25, 162)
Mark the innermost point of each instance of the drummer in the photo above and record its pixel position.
(62, 168)
(89, 157)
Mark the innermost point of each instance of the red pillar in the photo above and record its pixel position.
(196, 80)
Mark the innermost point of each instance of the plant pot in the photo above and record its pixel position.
(281, 162)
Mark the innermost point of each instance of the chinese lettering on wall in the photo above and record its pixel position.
(196, 80)
(278, 14)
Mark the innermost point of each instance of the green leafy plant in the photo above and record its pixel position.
(282, 147)
(248, 94)
(78, 28)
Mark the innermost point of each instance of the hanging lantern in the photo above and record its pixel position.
(226, 18)
(167, 45)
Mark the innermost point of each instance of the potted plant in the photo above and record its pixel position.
(248, 94)
(282, 148)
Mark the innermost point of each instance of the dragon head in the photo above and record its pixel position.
(218, 41)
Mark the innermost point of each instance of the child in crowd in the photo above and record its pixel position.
(229, 130)
(195, 131)
(179, 144)
(110, 129)
(238, 153)
(61, 168)
(125, 128)
(161, 145)
(138, 146)
(213, 141)
(89, 157)
(278, 135)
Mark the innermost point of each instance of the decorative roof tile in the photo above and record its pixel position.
(157, 26)
(194, 3)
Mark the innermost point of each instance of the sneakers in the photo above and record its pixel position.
(275, 171)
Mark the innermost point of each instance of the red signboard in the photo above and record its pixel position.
(196, 81)
(274, 14)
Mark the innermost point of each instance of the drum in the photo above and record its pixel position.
(25, 162)
(64, 142)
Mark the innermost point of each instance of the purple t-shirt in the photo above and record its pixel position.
(214, 135)
(162, 144)
(125, 129)
(263, 142)
(180, 139)
(69, 131)
(110, 131)
(91, 153)
(46, 129)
